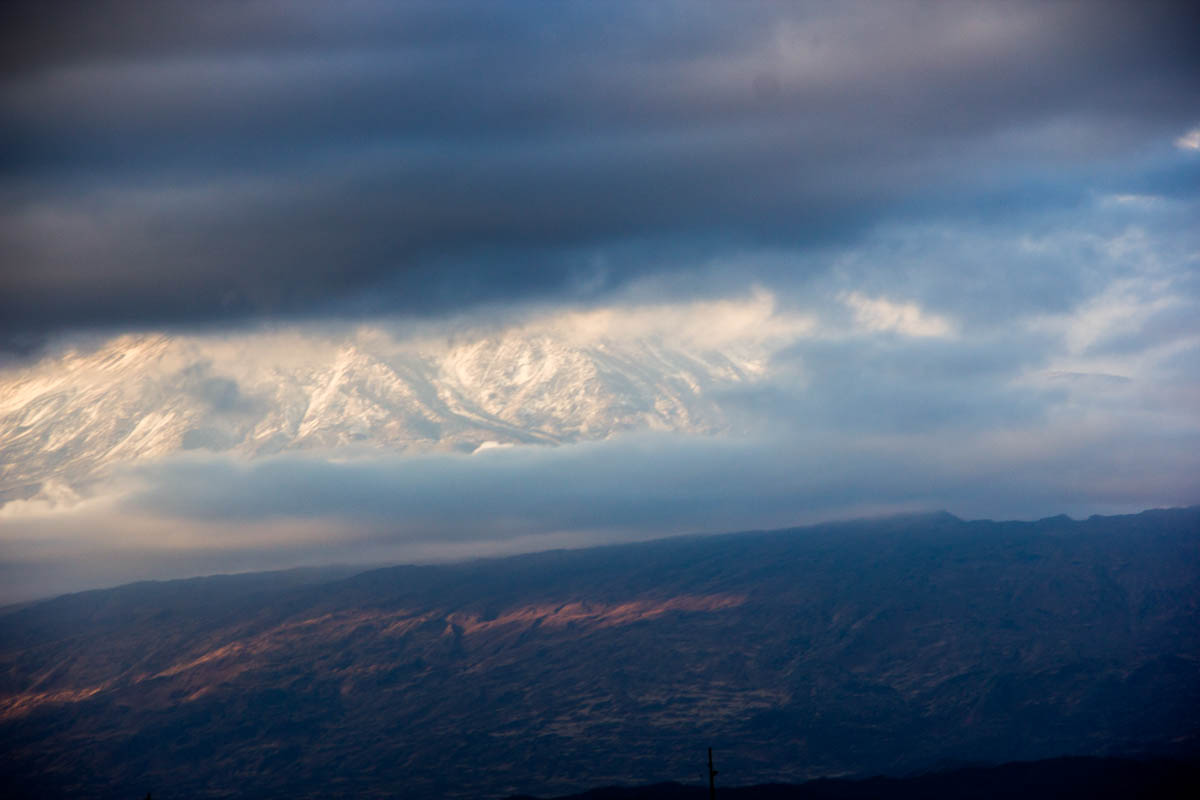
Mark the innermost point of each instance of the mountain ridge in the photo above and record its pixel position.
(72, 417)
(850, 648)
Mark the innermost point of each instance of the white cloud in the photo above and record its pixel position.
(1189, 141)
(882, 314)
(1133, 202)
(741, 322)
(1123, 308)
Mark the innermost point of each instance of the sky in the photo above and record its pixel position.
(949, 249)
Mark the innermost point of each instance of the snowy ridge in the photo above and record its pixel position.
(72, 417)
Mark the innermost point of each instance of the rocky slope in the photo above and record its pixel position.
(855, 648)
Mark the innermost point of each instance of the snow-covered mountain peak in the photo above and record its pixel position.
(73, 416)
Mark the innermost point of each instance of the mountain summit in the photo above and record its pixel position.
(75, 416)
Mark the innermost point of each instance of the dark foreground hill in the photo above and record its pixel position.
(860, 648)
(1051, 779)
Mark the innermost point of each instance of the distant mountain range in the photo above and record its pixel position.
(852, 649)
(76, 415)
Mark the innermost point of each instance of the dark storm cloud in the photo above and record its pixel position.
(184, 162)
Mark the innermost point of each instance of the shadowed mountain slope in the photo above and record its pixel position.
(1052, 779)
(856, 648)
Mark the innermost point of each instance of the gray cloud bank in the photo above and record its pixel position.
(190, 516)
(189, 162)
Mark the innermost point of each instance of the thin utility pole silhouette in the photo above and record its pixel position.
(712, 773)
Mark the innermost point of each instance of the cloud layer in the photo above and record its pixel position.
(845, 403)
(170, 163)
(947, 251)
